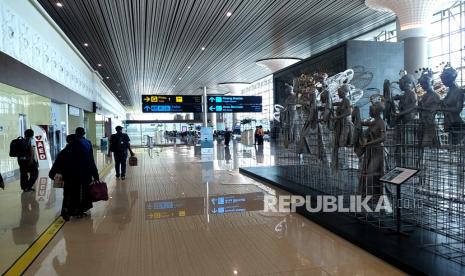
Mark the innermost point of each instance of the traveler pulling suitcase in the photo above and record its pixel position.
(132, 161)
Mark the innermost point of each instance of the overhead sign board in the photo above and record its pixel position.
(234, 104)
(171, 103)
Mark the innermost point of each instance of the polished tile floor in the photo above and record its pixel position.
(25, 216)
(175, 215)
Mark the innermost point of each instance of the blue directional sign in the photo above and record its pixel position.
(234, 104)
(171, 104)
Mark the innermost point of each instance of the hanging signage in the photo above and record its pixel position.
(171, 104)
(234, 104)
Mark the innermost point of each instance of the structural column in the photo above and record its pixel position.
(205, 111)
(220, 121)
(414, 18)
(212, 120)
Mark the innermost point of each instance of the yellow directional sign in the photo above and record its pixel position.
(147, 99)
(179, 99)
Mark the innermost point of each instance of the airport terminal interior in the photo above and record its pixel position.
(232, 137)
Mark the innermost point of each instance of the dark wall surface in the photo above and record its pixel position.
(331, 61)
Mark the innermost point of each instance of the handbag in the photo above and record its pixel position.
(58, 181)
(132, 161)
(98, 191)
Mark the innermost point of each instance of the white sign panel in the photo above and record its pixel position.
(42, 147)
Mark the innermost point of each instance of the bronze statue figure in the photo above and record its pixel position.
(452, 106)
(427, 107)
(372, 168)
(343, 127)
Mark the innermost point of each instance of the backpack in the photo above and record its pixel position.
(19, 147)
(116, 143)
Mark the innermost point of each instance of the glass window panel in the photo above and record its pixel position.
(455, 43)
(445, 26)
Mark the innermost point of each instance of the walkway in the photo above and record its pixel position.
(164, 220)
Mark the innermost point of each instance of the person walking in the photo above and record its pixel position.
(80, 137)
(227, 137)
(261, 134)
(28, 164)
(119, 145)
(256, 135)
(77, 166)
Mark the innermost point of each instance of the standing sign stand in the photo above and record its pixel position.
(206, 144)
(43, 183)
(397, 177)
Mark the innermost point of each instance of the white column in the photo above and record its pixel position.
(205, 111)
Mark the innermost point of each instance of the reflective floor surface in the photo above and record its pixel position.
(25, 216)
(174, 215)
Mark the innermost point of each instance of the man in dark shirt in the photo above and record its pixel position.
(119, 145)
(28, 164)
(227, 137)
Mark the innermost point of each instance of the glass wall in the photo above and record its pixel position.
(446, 38)
(264, 88)
(19, 109)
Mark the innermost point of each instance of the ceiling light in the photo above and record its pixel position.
(86, 45)
(229, 14)
(59, 4)
(99, 65)
(203, 48)
(180, 78)
(276, 64)
(234, 87)
(188, 67)
(108, 78)
(116, 91)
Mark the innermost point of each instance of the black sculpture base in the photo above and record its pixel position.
(401, 251)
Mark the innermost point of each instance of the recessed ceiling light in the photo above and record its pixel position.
(229, 14)
(203, 48)
(116, 91)
(180, 78)
(188, 67)
(86, 44)
(108, 78)
(99, 65)
(59, 4)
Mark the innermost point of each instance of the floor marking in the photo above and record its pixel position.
(21, 264)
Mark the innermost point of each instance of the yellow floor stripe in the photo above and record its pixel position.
(20, 266)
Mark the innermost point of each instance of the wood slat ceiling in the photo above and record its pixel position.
(147, 46)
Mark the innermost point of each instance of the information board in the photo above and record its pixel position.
(398, 175)
(234, 104)
(171, 103)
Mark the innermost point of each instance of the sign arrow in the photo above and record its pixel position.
(211, 99)
(211, 108)
(147, 108)
(214, 201)
(147, 99)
